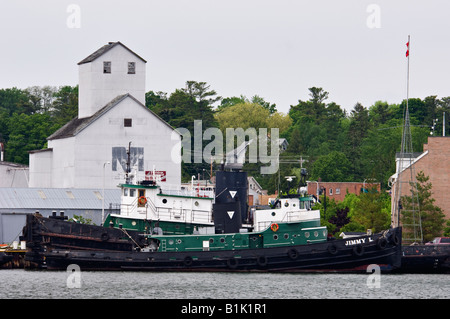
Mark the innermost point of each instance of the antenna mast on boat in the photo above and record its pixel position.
(127, 177)
(411, 211)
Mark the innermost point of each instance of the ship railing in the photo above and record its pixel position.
(167, 213)
(289, 216)
(189, 193)
(183, 215)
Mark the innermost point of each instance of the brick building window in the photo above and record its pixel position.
(106, 66)
(331, 192)
(338, 191)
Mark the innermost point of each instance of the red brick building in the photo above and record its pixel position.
(435, 163)
(338, 190)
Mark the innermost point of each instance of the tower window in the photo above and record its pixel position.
(127, 122)
(131, 68)
(107, 67)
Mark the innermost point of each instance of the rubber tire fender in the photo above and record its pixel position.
(293, 253)
(381, 243)
(104, 236)
(232, 263)
(261, 260)
(358, 250)
(187, 262)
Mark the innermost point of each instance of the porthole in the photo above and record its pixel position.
(316, 234)
(133, 223)
(307, 234)
(170, 241)
(164, 201)
(286, 236)
(324, 233)
(273, 213)
(286, 204)
(178, 241)
(196, 203)
(222, 240)
(211, 240)
(275, 237)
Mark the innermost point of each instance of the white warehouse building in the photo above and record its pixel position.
(92, 149)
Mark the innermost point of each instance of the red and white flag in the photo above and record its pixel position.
(407, 51)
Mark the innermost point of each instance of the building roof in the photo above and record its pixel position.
(76, 125)
(105, 49)
(56, 198)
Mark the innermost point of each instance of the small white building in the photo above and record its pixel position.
(13, 175)
(91, 150)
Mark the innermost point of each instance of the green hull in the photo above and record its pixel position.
(277, 235)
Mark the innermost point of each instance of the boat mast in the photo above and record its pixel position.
(127, 178)
(411, 211)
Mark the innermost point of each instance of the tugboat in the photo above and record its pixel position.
(284, 237)
(299, 246)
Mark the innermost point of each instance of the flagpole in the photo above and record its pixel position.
(407, 74)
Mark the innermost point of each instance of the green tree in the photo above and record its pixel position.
(358, 129)
(431, 217)
(65, 105)
(251, 115)
(15, 100)
(333, 167)
(27, 133)
(373, 211)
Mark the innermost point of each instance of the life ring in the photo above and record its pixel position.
(274, 227)
(142, 200)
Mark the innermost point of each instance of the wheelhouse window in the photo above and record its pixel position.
(131, 67)
(106, 66)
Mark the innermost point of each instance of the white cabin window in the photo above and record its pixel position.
(131, 68)
(125, 192)
(106, 66)
(132, 192)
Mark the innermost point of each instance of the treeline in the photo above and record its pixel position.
(330, 143)
(29, 116)
(359, 145)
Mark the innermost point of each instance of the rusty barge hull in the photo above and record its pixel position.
(45, 234)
